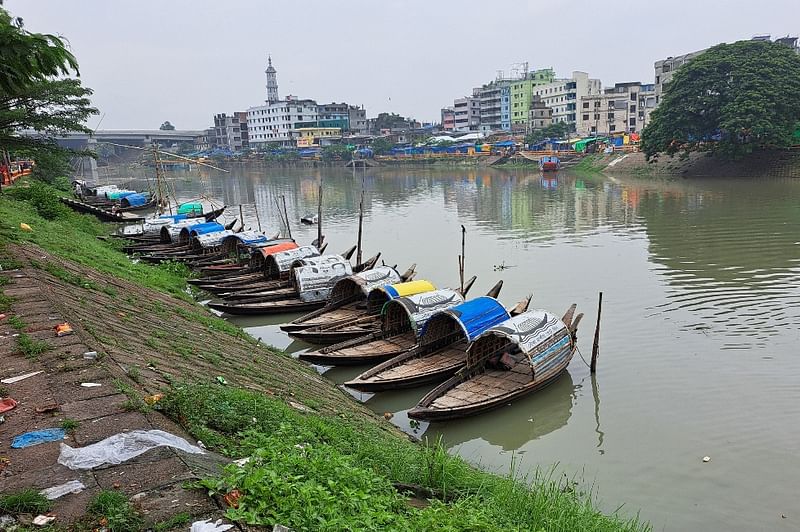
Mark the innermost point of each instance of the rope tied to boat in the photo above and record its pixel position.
(581, 354)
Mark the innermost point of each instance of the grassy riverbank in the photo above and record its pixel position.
(317, 459)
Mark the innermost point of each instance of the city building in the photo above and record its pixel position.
(539, 114)
(273, 123)
(230, 131)
(316, 136)
(563, 95)
(522, 94)
(205, 140)
(624, 108)
(495, 105)
(448, 119)
(665, 69)
(333, 115)
(467, 112)
(358, 120)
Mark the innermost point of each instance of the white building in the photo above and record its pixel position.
(563, 95)
(275, 121)
(624, 108)
(467, 111)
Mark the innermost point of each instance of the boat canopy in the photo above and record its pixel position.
(537, 333)
(170, 232)
(408, 288)
(281, 262)
(192, 208)
(360, 285)
(134, 200)
(258, 257)
(190, 232)
(469, 319)
(246, 239)
(378, 297)
(210, 240)
(412, 312)
(313, 282)
(119, 194)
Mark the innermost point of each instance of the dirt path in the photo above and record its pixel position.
(145, 340)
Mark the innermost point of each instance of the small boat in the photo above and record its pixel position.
(310, 219)
(358, 296)
(311, 281)
(402, 319)
(103, 214)
(515, 358)
(442, 348)
(549, 163)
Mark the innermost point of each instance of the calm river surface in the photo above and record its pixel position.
(700, 339)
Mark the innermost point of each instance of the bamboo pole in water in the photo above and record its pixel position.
(319, 218)
(286, 215)
(360, 224)
(241, 215)
(258, 218)
(461, 258)
(596, 343)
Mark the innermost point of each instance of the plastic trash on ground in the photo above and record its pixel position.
(12, 380)
(90, 384)
(43, 520)
(73, 486)
(7, 404)
(208, 526)
(25, 227)
(36, 437)
(120, 448)
(63, 329)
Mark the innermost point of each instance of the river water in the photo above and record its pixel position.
(700, 337)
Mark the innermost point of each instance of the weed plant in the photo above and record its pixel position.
(31, 347)
(27, 501)
(115, 508)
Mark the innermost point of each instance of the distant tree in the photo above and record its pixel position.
(166, 126)
(732, 99)
(555, 130)
(336, 152)
(381, 145)
(389, 121)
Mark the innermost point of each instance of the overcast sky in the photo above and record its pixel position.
(184, 60)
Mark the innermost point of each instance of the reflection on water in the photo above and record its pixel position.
(701, 324)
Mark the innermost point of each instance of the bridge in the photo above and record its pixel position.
(132, 137)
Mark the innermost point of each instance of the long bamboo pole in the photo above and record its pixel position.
(319, 218)
(360, 223)
(596, 343)
(462, 258)
(286, 216)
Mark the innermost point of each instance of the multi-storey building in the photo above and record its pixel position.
(274, 122)
(563, 95)
(624, 108)
(495, 105)
(539, 115)
(448, 119)
(665, 69)
(336, 115)
(467, 113)
(522, 93)
(230, 131)
(357, 120)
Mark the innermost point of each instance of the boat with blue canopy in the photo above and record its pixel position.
(402, 319)
(442, 346)
(507, 361)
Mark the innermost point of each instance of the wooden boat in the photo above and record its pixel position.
(358, 296)
(311, 282)
(102, 214)
(401, 321)
(137, 202)
(549, 163)
(536, 346)
(264, 290)
(442, 348)
(266, 264)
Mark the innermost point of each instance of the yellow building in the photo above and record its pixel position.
(315, 136)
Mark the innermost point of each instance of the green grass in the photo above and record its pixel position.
(28, 501)
(347, 465)
(17, 322)
(70, 425)
(176, 521)
(5, 302)
(31, 347)
(74, 236)
(117, 509)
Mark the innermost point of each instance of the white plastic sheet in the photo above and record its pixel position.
(73, 486)
(208, 526)
(121, 448)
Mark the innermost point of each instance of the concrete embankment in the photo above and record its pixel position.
(762, 164)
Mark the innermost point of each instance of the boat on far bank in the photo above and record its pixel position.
(549, 163)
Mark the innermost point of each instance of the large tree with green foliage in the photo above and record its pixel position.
(33, 94)
(732, 99)
(555, 130)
